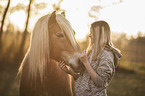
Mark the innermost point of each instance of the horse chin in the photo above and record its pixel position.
(79, 69)
(76, 64)
(72, 60)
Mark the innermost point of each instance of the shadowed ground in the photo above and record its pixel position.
(125, 83)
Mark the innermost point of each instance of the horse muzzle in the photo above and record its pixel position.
(75, 63)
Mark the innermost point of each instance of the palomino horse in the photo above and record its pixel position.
(52, 40)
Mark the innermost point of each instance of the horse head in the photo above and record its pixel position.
(63, 45)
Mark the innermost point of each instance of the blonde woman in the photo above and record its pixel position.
(100, 62)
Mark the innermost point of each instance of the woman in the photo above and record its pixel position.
(99, 65)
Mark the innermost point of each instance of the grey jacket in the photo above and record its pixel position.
(104, 66)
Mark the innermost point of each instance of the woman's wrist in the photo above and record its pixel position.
(68, 72)
(91, 72)
(75, 75)
(86, 63)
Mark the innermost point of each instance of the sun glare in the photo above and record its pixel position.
(18, 19)
(77, 14)
(124, 17)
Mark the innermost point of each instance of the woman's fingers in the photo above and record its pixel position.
(84, 52)
(62, 64)
(83, 57)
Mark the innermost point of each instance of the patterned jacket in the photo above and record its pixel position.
(104, 66)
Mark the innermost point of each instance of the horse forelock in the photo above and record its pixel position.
(66, 26)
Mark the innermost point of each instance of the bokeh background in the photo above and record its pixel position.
(125, 17)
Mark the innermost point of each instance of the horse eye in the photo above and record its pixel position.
(60, 35)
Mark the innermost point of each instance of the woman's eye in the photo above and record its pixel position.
(60, 35)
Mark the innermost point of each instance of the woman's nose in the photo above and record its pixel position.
(89, 35)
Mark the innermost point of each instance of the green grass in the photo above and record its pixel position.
(127, 83)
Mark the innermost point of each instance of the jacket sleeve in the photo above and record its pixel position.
(105, 69)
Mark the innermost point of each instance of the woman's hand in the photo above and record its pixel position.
(63, 66)
(83, 57)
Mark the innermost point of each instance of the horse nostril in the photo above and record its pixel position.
(71, 65)
(79, 61)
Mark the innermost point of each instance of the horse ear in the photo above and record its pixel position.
(63, 13)
(52, 18)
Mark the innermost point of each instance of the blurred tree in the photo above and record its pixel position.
(57, 7)
(3, 21)
(122, 42)
(18, 7)
(38, 6)
(84, 43)
(139, 34)
(1, 9)
(10, 27)
(34, 9)
(135, 50)
(26, 29)
(29, 10)
(95, 10)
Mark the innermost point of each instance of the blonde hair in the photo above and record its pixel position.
(101, 37)
(38, 52)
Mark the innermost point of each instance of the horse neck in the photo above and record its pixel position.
(52, 65)
(53, 68)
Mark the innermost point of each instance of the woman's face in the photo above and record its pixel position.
(91, 36)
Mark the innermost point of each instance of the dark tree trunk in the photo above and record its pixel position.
(3, 21)
(21, 51)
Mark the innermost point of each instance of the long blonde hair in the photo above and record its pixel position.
(101, 37)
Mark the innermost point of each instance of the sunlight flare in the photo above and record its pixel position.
(123, 16)
(18, 19)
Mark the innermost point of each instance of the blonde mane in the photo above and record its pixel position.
(38, 53)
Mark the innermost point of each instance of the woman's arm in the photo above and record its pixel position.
(94, 76)
(105, 68)
(91, 72)
(84, 60)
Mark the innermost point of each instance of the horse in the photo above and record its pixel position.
(52, 40)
